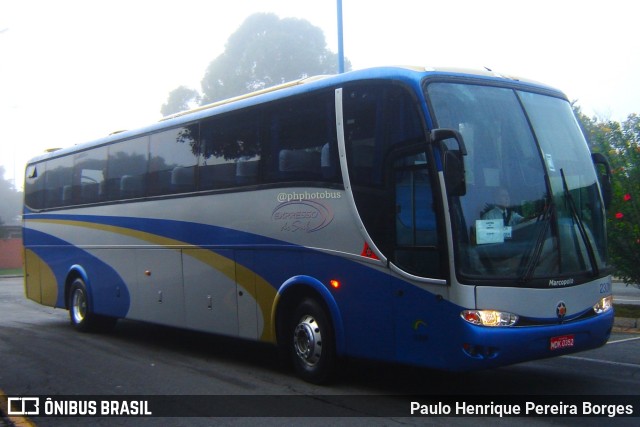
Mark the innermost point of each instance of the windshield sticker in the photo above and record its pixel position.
(490, 231)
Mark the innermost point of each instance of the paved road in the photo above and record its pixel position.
(42, 355)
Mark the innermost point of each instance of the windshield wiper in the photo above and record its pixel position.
(580, 223)
(536, 250)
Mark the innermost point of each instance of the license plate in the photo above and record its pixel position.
(564, 341)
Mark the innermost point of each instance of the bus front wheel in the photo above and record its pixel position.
(312, 342)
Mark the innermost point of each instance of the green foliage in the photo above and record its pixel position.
(267, 51)
(11, 272)
(620, 143)
(627, 310)
(10, 201)
(180, 99)
(264, 51)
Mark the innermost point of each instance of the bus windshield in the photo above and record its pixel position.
(532, 213)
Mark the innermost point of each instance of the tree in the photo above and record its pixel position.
(263, 52)
(266, 51)
(180, 99)
(11, 201)
(620, 143)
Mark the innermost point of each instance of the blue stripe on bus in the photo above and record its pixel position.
(111, 298)
(380, 305)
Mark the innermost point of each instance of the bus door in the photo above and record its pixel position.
(416, 255)
(416, 243)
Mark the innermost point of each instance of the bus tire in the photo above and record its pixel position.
(312, 341)
(80, 315)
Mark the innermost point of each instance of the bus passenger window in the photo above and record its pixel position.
(34, 186)
(247, 170)
(58, 182)
(302, 140)
(230, 151)
(89, 175)
(299, 163)
(131, 186)
(174, 155)
(127, 169)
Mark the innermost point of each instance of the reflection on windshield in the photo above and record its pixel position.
(516, 221)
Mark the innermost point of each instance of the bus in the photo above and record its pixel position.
(348, 216)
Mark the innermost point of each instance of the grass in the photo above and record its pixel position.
(627, 310)
(11, 272)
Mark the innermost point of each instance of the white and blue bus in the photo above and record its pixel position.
(430, 217)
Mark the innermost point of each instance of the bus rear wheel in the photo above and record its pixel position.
(80, 315)
(312, 342)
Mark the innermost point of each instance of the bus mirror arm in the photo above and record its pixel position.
(452, 160)
(439, 135)
(605, 179)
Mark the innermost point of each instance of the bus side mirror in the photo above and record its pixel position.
(452, 160)
(604, 178)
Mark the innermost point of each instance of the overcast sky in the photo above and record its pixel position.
(72, 71)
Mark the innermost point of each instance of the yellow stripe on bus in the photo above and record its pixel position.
(258, 287)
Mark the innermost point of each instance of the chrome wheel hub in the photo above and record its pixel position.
(307, 340)
(78, 306)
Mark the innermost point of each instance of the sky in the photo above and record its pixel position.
(76, 70)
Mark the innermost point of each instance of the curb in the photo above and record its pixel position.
(625, 324)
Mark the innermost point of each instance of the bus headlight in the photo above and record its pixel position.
(489, 317)
(604, 305)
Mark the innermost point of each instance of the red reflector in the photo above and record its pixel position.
(368, 252)
(472, 317)
(334, 284)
